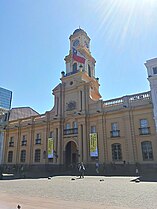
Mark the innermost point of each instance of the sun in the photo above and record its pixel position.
(121, 19)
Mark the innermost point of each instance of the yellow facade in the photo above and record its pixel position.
(124, 126)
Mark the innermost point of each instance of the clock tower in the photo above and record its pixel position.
(76, 97)
(79, 58)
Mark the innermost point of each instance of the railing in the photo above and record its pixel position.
(142, 96)
(126, 101)
(115, 133)
(113, 102)
(144, 131)
(70, 131)
(11, 144)
(24, 143)
(71, 73)
(38, 141)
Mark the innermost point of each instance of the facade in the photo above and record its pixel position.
(119, 133)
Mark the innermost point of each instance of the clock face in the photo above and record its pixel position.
(76, 43)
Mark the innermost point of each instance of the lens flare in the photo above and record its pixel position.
(125, 19)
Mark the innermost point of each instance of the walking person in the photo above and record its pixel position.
(97, 167)
(1, 173)
(81, 170)
(137, 171)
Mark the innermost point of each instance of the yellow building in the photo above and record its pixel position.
(119, 133)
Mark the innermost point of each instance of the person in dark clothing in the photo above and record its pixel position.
(1, 175)
(97, 167)
(81, 170)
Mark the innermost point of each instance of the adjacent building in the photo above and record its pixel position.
(119, 133)
(5, 105)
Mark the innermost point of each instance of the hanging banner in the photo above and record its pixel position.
(93, 145)
(50, 147)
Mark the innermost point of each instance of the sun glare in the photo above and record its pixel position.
(121, 19)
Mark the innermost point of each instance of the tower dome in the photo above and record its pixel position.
(79, 30)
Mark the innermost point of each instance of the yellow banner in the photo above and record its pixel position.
(50, 148)
(93, 145)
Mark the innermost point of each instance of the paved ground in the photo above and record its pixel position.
(89, 193)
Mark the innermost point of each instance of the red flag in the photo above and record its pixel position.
(77, 57)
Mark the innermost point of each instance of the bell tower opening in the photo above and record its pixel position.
(75, 67)
(89, 71)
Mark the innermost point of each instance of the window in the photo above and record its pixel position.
(143, 123)
(114, 130)
(74, 67)
(24, 141)
(73, 130)
(75, 127)
(67, 128)
(114, 126)
(116, 152)
(89, 71)
(93, 129)
(71, 82)
(51, 134)
(155, 70)
(11, 141)
(74, 124)
(23, 156)
(144, 129)
(38, 139)
(37, 155)
(147, 151)
(10, 156)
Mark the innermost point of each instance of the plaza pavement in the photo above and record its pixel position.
(70, 192)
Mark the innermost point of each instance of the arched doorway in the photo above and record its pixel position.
(71, 154)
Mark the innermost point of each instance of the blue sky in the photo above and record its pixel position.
(34, 39)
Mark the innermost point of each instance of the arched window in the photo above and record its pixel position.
(116, 152)
(23, 156)
(147, 150)
(37, 155)
(89, 71)
(10, 156)
(75, 67)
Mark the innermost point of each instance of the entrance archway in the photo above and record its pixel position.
(71, 154)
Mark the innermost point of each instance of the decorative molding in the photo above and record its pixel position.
(71, 106)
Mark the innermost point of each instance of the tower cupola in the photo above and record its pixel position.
(79, 58)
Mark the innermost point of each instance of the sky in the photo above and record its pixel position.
(34, 39)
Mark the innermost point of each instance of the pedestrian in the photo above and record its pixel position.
(81, 170)
(1, 173)
(97, 167)
(137, 172)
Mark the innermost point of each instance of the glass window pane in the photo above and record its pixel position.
(93, 129)
(114, 126)
(147, 150)
(143, 123)
(116, 152)
(155, 70)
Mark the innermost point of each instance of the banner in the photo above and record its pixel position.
(93, 145)
(50, 147)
